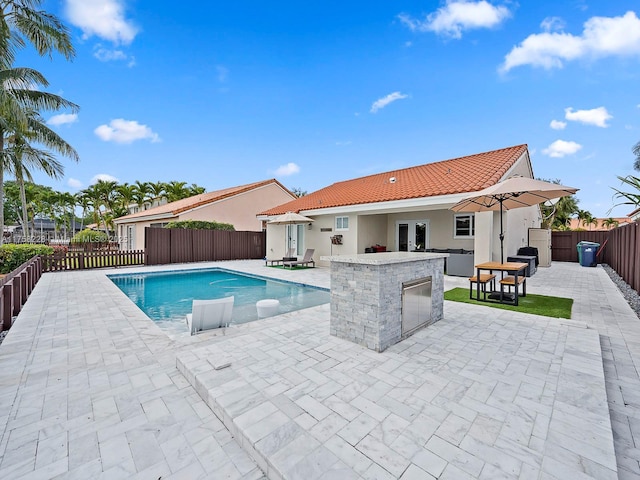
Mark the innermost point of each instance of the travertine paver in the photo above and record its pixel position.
(477, 395)
(89, 388)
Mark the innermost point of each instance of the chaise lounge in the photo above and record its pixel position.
(208, 314)
(306, 260)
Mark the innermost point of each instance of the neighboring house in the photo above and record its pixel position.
(409, 209)
(236, 205)
(577, 224)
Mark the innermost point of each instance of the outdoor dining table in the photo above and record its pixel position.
(517, 269)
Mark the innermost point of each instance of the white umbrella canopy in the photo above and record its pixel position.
(514, 192)
(289, 218)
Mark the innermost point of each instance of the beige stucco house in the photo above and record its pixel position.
(409, 209)
(236, 205)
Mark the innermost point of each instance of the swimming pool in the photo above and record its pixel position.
(166, 297)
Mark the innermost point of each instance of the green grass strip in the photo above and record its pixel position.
(556, 307)
(296, 267)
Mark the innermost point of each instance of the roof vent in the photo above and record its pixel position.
(392, 180)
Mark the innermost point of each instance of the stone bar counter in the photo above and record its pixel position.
(377, 299)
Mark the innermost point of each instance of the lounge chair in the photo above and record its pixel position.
(208, 314)
(290, 253)
(306, 260)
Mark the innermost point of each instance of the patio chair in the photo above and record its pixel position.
(290, 253)
(306, 260)
(208, 314)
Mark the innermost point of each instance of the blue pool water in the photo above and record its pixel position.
(166, 297)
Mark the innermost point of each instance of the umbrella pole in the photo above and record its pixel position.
(501, 236)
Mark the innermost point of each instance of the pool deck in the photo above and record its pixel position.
(90, 388)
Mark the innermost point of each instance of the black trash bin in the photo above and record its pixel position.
(587, 253)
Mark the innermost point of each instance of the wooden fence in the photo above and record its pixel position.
(15, 288)
(83, 260)
(622, 253)
(564, 244)
(177, 245)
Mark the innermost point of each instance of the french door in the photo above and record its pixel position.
(412, 235)
(295, 238)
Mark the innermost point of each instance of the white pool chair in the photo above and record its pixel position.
(208, 314)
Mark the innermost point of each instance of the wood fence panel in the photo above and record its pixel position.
(564, 244)
(203, 245)
(157, 246)
(181, 245)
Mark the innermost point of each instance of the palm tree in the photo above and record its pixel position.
(83, 202)
(21, 155)
(557, 215)
(156, 192)
(636, 152)
(196, 190)
(18, 103)
(141, 193)
(610, 223)
(176, 190)
(22, 23)
(125, 196)
(631, 198)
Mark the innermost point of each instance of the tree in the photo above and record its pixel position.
(22, 23)
(176, 191)
(196, 190)
(21, 155)
(19, 102)
(557, 215)
(298, 192)
(610, 223)
(141, 192)
(156, 192)
(629, 198)
(636, 152)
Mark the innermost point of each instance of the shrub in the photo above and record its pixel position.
(13, 255)
(88, 235)
(200, 225)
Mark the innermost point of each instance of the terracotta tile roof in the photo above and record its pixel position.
(458, 175)
(179, 206)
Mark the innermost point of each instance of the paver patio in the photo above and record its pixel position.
(89, 388)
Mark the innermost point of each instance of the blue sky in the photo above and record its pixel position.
(227, 93)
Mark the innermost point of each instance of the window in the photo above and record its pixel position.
(464, 225)
(342, 223)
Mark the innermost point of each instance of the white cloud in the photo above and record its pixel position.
(120, 130)
(286, 170)
(384, 101)
(343, 143)
(112, 55)
(63, 119)
(457, 16)
(596, 116)
(102, 18)
(552, 24)
(74, 183)
(223, 73)
(558, 125)
(601, 37)
(561, 148)
(105, 177)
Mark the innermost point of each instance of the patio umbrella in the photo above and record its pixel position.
(289, 218)
(514, 192)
